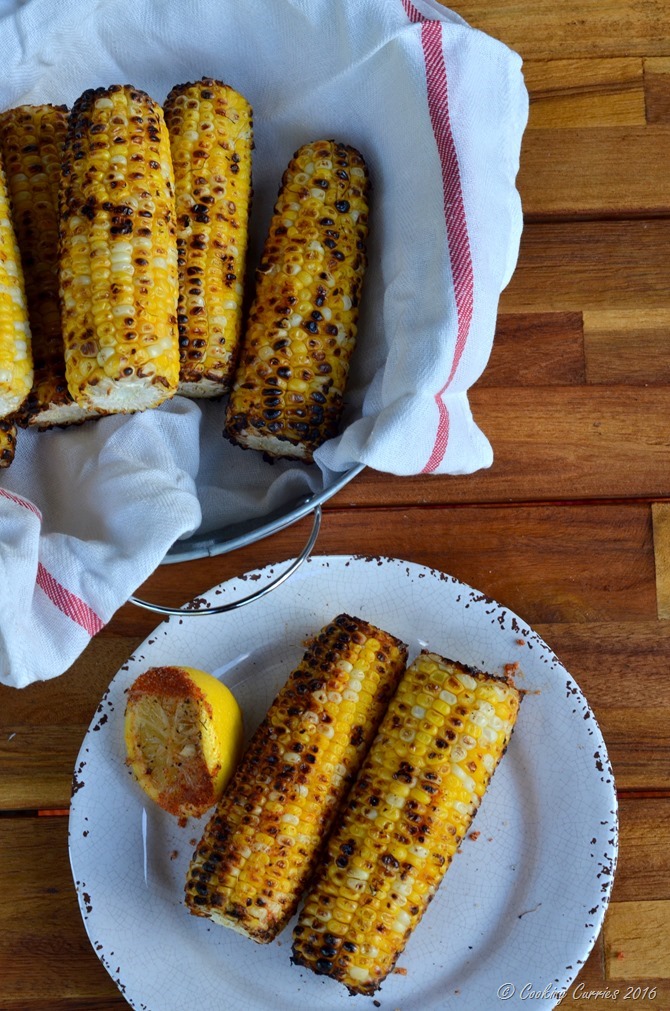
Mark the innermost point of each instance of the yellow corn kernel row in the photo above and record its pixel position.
(259, 849)
(31, 139)
(211, 138)
(16, 362)
(118, 253)
(438, 745)
(287, 397)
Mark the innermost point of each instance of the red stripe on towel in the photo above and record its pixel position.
(458, 241)
(22, 502)
(69, 603)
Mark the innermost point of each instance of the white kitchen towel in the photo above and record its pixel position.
(438, 110)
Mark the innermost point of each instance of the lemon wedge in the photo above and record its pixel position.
(183, 733)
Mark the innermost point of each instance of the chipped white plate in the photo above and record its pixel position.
(521, 905)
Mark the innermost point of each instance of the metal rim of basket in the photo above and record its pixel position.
(256, 595)
(214, 544)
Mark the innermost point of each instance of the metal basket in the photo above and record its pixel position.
(239, 535)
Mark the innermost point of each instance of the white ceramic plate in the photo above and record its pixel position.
(522, 903)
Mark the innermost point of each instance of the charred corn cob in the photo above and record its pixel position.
(32, 138)
(259, 848)
(7, 442)
(439, 743)
(118, 253)
(210, 127)
(294, 362)
(16, 361)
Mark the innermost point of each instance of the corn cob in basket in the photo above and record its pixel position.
(211, 131)
(118, 253)
(16, 361)
(260, 846)
(7, 442)
(32, 138)
(443, 735)
(287, 397)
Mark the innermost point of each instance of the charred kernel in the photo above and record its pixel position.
(271, 415)
(342, 206)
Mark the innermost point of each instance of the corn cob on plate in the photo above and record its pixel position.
(522, 900)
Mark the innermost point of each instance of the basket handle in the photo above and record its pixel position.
(256, 595)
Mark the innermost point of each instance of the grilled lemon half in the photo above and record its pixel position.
(183, 734)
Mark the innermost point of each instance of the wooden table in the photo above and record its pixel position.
(570, 527)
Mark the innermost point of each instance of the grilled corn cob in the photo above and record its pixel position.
(439, 743)
(16, 360)
(210, 127)
(7, 442)
(118, 253)
(294, 362)
(259, 848)
(32, 138)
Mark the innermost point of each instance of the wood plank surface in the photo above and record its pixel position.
(660, 512)
(586, 93)
(570, 29)
(625, 165)
(644, 852)
(627, 346)
(570, 527)
(580, 265)
(44, 950)
(635, 940)
(657, 89)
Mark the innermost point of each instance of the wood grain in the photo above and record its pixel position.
(627, 346)
(657, 89)
(579, 93)
(635, 936)
(660, 512)
(580, 265)
(536, 349)
(617, 667)
(644, 851)
(572, 29)
(624, 166)
(44, 950)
